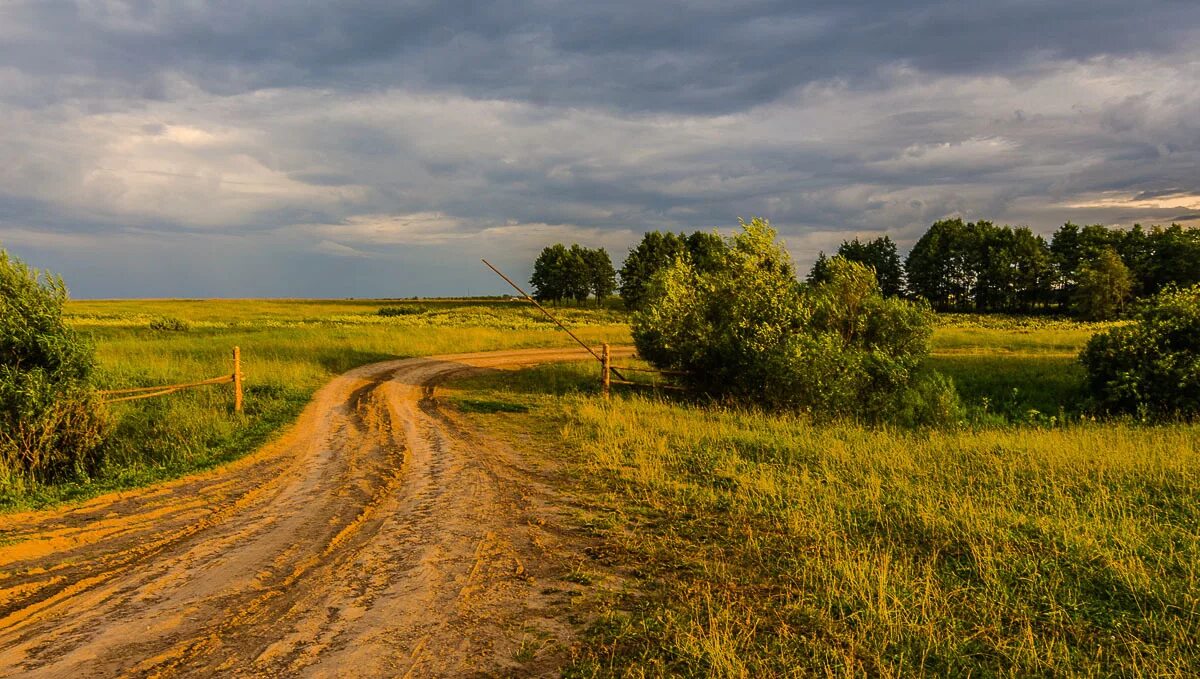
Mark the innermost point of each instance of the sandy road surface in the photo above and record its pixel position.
(379, 536)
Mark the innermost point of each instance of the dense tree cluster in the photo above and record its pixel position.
(574, 273)
(745, 329)
(880, 255)
(1091, 270)
(658, 250)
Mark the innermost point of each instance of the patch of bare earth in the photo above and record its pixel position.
(381, 535)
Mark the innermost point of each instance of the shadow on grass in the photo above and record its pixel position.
(341, 360)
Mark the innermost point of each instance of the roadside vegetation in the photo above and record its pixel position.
(289, 349)
(764, 544)
(803, 513)
(50, 427)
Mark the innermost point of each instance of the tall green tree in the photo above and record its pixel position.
(940, 266)
(574, 273)
(602, 277)
(820, 271)
(658, 250)
(880, 255)
(1074, 247)
(549, 279)
(1174, 258)
(1103, 287)
(654, 252)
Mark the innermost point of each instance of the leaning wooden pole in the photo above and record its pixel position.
(607, 378)
(237, 379)
(549, 315)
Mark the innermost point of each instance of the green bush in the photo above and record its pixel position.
(50, 425)
(170, 324)
(1150, 368)
(746, 330)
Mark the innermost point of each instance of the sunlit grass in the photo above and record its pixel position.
(289, 349)
(764, 545)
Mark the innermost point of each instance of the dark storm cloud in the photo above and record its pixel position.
(631, 55)
(422, 133)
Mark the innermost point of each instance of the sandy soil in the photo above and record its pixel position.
(379, 536)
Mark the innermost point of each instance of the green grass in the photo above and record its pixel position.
(1014, 369)
(763, 545)
(752, 544)
(289, 349)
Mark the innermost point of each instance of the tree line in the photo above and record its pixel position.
(1090, 271)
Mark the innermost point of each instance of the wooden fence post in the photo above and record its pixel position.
(237, 379)
(606, 360)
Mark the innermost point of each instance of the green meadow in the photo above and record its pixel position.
(1028, 540)
(750, 544)
(289, 349)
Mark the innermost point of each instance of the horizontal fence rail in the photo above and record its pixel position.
(608, 370)
(135, 393)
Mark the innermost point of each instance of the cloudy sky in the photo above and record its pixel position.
(379, 148)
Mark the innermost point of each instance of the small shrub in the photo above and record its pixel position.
(1150, 368)
(50, 425)
(400, 311)
(170, 324)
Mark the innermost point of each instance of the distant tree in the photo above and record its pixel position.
(549, 274)
(880, 255)
(1174, 258)
(1103, 287)
(1032, 272)
(820, 272)
(940, 266)
(656, 251)
(705, 248)
(1073, 247)
(576, 274)
(573, 273)
(1137, 251)
(602, 277)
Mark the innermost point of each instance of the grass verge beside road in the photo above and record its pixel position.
(764, 545)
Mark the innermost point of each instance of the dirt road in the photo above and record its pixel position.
(379, 536)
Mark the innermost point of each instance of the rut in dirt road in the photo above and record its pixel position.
(377, 537)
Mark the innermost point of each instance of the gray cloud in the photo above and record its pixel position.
(422, 134)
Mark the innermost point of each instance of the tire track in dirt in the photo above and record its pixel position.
(378, 536)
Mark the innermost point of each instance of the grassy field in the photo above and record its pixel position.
(1007, 369)
(1028, 541)
(763, 545)
(289, 349)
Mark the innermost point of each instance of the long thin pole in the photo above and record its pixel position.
(237, 379)
(607, 378)
(549, 315)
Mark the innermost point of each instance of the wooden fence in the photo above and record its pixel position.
(608, 370)
(135, 393)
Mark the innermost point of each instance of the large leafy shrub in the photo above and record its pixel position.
(50, 426)
(745, 329)
(1151, 367)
